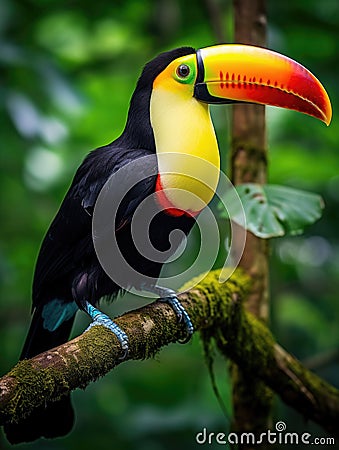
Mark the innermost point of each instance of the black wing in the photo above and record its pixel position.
(68, 241)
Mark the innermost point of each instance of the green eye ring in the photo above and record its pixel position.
(185, 73)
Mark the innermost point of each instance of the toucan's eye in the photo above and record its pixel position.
(183, 71)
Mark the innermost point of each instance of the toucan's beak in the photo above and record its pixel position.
(242, 73)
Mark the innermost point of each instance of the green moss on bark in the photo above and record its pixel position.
(33, 387)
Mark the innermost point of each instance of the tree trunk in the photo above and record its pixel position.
(252, 400)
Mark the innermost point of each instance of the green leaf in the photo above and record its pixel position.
(273, 211)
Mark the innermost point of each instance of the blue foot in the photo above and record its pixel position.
(99, 318)
(169, 296)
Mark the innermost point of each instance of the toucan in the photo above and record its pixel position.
(168, 115)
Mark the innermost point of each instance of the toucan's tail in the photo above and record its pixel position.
(51, 326)
(55, 418)
(51, 421)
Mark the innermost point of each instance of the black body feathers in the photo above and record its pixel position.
(67, 270)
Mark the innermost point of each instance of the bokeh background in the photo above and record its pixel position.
(67, 71)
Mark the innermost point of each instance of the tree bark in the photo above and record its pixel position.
(219, 307)
(252, 400)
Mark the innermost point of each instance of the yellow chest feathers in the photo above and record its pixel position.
(187, 149)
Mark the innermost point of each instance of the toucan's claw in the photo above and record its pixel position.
(169, 296)
(176, 306)
(182, 315)
(99, 318)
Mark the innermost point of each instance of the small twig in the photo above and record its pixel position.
(321, 360)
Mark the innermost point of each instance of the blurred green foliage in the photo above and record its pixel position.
(67, 71)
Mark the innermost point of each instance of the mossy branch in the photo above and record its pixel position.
(213, 307)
